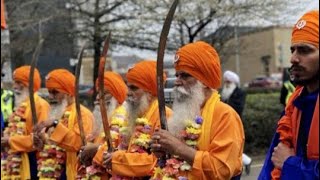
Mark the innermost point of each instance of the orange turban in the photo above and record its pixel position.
(114, 83)
(61, 80)
(200, 60)
(22, 73)
(306, 29)
(3, 18)
(144, 76)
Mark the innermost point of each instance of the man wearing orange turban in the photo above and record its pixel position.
(115, 93)
(18, 136)
(137, 162)
(294, 151)
(205, 138)
(66, 134)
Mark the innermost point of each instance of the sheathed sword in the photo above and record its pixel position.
(161, 50)
(104, 115)
(31, 82)
(79, 118)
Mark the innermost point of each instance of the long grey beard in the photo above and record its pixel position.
(227, 91)
(58, 109)
(98, 124)
(135, 110)
(186, 106)
(20, 97)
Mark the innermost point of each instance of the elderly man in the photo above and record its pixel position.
(66, 134)
(234, 96)
(115, 92)
(18, 136)
(294, 152)
(206, 137)
(137, 162)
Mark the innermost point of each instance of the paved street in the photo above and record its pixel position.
(256, 166)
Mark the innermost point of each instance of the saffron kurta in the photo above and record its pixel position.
(24, 143)
(67, 136)
(129, 164)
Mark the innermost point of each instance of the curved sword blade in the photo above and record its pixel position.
(161, 50)
(31, 81)
(79, 118)
(104, 115)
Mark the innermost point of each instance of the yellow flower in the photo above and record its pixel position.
(167, 178)
(143, 121)
(191, 130)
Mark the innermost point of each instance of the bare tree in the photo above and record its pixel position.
(26, 19)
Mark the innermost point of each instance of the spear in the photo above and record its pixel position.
(104, 115)
(78, 70)
(161, 49)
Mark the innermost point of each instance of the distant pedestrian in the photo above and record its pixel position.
(233, 95)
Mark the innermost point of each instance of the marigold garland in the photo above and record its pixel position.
(11, 162)
(174, 165)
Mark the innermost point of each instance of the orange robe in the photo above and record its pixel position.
(129, 164)
(67, 136)
(24, 143)
(220, 145)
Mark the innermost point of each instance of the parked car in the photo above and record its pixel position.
(168, 90)
(264, 82)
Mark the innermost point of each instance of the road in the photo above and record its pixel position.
(256, 166)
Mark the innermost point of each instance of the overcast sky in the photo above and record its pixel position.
(146, 54)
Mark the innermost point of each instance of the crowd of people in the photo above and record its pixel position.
(205, 137)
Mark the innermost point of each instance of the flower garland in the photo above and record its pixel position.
(118, 131)
(174, 165)
(11, 162)
(52, 157)
(140, 142)
(141, 136)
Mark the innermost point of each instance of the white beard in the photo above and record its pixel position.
(135, 109)
(20, 96)
(227, 91)
(58, 109)
(186, 105)
(97, 124)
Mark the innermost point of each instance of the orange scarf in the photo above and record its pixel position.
(288, 129)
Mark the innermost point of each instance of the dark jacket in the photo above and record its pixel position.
(237, 100)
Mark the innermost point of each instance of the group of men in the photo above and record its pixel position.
(205, 136)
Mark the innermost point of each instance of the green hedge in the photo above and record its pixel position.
(260, 116)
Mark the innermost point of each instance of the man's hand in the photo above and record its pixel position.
(4, 141)
(280, 154)
(87, 154)
(37, 142)
(107, 160)
(41, 125)
(164, 141)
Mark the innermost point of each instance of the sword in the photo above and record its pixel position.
(78, 69)
(104, 115)
(31, 82)
(161, 49)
